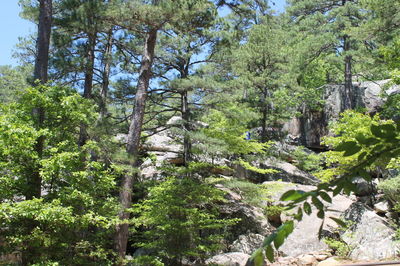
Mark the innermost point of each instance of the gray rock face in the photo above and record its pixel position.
(370, 237)
(247, 243)
(309, 128)
(289, 173)
(286, 172)
(382, 207)
(304, 238)
(364, 188)
(252, 219)
(229, 259)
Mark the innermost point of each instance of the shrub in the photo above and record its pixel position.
(309, 162)
(180, 220)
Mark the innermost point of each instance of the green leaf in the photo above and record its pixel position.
(307, 208)
(269, 252)
(361, 138)
(325, 196)
(257, 257)
(289, 227)
(349, 148)
(349, 187)
(338, 189)
(321, 214)
(339, 222)
(388, 130)
(362, 156)
(376, 131)
(364, 174)
(317, 203)
(351, 151)
(323, 186)
(259, 260)
(279, 239)
(269, 239)
(292, 195)
(320, 230)
(299, 215)
(371, 141)
(344, 146)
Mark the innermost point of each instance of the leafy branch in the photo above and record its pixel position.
(385, 144)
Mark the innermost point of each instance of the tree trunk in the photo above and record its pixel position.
(34, 180)
(88, 85)
(185, 112)
(187, 147)
(135, 130)
(106, 74)
(264, 111)
(348, 83)
(90, 47)
(40, 74)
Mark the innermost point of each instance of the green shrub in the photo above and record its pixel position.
(145, 261)
(339, 247)
(309, 162)
(253, 194)
(180, 219)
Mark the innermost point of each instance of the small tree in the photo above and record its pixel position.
(180, 220)
(71, 223)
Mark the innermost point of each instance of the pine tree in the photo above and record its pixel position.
(153, 17)
(328, 23)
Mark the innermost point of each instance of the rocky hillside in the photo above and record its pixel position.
(369, 235)
(312, 125)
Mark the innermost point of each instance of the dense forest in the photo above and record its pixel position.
(148, 132)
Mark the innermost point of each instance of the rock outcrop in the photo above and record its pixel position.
(285, 171)
(229, 259)
(308, 129)
(247, 243)
(370, 237)
(304, 238)
(252, 219)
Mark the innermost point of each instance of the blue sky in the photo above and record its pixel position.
(13, 26)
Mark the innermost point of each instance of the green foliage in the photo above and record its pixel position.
(180, 218)
(339, 247)
(275, 240)
(378, 146)
(146, 260)
(12, 80)
(77, 193)
(391, 189)
(356, 136)
(310, 162)
(261, 67)
(228, 128)
(253, 194)
(252, 168)
(391, 54)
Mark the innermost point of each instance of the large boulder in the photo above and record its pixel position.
(370, 237)
(309, 128)
(304, 238)
(163, 146)
(284, 171)
(229, 259)
(252, 219)
(288, 173)
(247, 243)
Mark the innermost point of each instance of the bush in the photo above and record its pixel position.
(309, 162)
(180, 221)
(339, 247)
